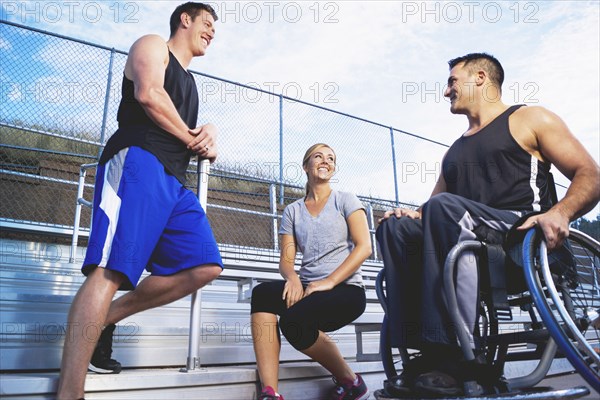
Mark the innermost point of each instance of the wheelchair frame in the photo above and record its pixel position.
(548, 340)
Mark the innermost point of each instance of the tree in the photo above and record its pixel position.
(591, 228)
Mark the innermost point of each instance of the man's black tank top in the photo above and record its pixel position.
(137, 129)
(491, 168)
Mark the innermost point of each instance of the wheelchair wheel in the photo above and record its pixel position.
(566, 293)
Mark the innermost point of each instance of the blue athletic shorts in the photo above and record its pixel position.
(145, 218)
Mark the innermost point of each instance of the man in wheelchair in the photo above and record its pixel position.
(493, 176)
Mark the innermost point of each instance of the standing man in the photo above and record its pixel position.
(496, 172)
(144, 217)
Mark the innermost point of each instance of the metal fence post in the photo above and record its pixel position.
(193, 359)
(273, 203)
(281, 188)
(372, 228)
(395, 169)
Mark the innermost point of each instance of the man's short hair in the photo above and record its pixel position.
(192, 9)
(484, 61)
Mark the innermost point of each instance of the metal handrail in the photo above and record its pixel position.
(272, 213)
(79, 202)
(193, 359)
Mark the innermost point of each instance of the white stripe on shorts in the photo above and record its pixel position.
(111, 202)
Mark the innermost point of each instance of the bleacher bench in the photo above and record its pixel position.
(256, 267)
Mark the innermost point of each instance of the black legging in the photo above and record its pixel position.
(321, 311)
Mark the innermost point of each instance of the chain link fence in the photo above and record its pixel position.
(58, 106)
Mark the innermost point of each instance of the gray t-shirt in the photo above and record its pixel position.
(324, 240)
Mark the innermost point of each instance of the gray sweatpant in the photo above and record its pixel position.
(414, 253)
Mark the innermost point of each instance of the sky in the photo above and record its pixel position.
(384, 61)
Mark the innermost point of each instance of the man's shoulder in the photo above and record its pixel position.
(147, 49)
(151, 42)
(151, 39)
(534, 117)
(532, 112)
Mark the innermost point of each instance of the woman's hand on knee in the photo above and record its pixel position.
(319, 286)
(292, 291)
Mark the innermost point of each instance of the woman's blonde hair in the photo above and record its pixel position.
(309, 153)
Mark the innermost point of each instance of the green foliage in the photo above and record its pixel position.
(21, 147)
(591, 228)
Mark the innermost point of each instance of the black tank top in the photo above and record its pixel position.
(137, 129)
(491, 168)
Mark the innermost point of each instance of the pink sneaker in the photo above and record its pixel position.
(268, 393)
(350, 390)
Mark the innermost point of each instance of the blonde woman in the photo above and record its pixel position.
(330, 229)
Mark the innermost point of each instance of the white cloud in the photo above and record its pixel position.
(4, 44)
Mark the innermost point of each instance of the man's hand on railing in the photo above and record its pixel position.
(204, 142)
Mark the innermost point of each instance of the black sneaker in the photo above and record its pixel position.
(101, 362)
(438, 384)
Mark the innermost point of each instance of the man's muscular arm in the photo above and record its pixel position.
(146, 64)
(548, 138)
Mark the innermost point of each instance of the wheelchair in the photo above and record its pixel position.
(560, 295)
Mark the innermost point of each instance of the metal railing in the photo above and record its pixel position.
(202, 193)
(79, 203)
(193, 359)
